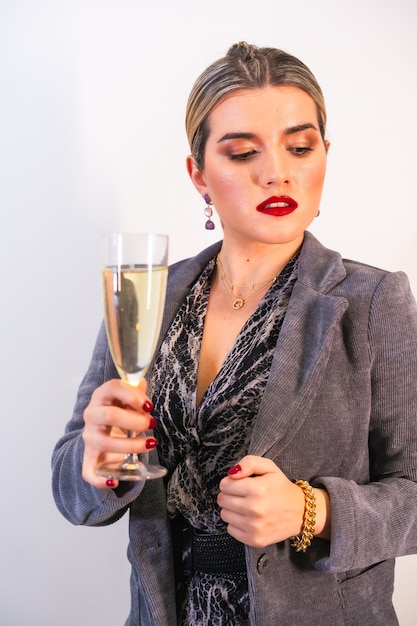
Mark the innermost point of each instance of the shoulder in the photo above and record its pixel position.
(181, 277)
(362, 278)
(186, 271)
(363, 274)
(328, 272)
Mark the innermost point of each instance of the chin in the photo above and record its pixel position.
(285, 237)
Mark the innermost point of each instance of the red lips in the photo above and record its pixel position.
(277, 205)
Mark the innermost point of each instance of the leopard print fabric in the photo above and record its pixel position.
(199, 444)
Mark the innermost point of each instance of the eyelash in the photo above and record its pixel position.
(245, 156)
(301, 151)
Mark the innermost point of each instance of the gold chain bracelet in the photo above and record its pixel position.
(303, 541)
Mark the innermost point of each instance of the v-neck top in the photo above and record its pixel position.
(198, 444)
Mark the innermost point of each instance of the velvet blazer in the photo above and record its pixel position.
(339, 410)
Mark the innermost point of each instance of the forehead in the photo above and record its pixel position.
(247, 109)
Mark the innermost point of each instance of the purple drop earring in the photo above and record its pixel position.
(208, 212)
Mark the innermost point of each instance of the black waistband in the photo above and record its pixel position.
(211, 553)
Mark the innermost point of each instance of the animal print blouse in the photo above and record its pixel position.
(198, 444)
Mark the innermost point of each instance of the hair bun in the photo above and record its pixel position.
(243, 51)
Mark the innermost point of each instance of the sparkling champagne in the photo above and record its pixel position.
(134, 298)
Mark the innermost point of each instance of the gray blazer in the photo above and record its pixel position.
(339, 410)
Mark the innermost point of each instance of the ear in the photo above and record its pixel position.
(197, 176)
(327, 145)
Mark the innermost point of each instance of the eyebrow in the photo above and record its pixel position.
(228, 136)
(291, 130)
(298, 129)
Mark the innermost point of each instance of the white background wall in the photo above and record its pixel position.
(91, 139)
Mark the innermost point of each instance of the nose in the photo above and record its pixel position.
(273, 168)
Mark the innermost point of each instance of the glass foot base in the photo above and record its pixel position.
(131, 471)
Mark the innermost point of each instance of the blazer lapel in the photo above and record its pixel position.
(302, 351)
(304, 342)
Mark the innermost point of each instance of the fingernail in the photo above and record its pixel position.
(147, 406)
(152, 423)
(234, 470)
(110, 482)
(151, 443)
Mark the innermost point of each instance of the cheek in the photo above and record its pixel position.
(224, 185)
(314, 179)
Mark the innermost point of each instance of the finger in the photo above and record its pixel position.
(231, 502)
(92, 460)
(251, 465)
(251, 537)
(100, 441)
(119, 392)
(248, 468)
(99, 482)
(233, 519)
(245, 528)
(90, 463)
(109, 418)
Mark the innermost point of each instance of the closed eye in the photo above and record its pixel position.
(300, 150)
(242, 156)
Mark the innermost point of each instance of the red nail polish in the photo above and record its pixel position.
(152, 423)
(234, 470)
(151, 443)
(147, 406)
(110, 482)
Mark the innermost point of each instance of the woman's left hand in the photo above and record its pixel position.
(262, 506)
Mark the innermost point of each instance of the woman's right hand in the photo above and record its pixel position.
(115, 408)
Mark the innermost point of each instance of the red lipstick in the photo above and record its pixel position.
(277, 205)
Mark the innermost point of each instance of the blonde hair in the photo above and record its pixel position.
(245, 67)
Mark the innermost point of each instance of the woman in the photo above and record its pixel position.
(282, 399)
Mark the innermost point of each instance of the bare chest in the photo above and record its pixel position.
(221, 327)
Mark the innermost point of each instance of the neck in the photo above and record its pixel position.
(257, 264)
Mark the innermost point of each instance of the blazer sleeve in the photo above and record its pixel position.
(378, 521)
(77, 500)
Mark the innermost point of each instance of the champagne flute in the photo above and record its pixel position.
(134, 281)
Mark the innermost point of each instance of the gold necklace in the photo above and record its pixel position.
(238, 303)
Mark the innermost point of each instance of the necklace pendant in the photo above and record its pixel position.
(238, 303)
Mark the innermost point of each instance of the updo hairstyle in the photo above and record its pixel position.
(245, 67)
